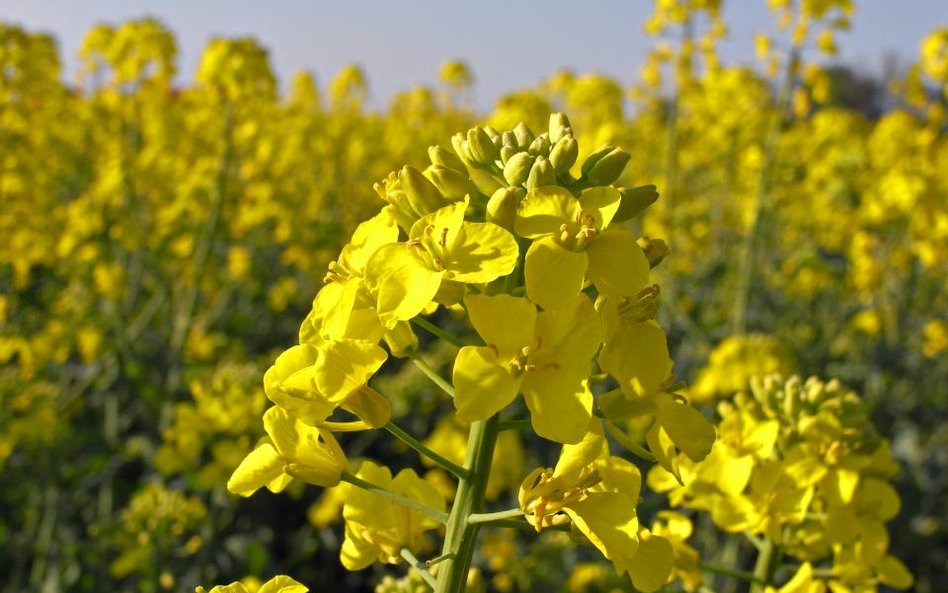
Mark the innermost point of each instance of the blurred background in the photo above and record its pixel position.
(175, 178)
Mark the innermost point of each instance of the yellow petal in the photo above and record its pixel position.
(346, 365)
(637, 356)
(403, 280)
(482, 253)
(602, 202)
(543, 210)
(560, 403)
(504, 321)
(687, 427)
(652, 564)
(482, 386)
(567, 334)
(617, 265)
(894, 574)
(260, 467)
(554, 275)
(282, 584)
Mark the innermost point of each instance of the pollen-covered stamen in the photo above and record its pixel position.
(520, 363)
(335, 273)
(642, 307)
(413, 242)
(545, 506)
(443, 241)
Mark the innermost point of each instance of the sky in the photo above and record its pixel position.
(509, 44)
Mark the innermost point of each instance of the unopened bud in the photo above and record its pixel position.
(423, 196)
(524, 135)
(608, 167)
(487, 183)
(510, 139)
(481, 147)
(541, 174)
(506, 152)
(517, 168)
(502, 207)
(595, 156)
(655, 250)
(564, 153)
(540, 146)
(452, 184)
(634, 201)
(445, 158)
(460, 145)
(559, 127)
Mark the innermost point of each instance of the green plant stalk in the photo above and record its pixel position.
(420, 447)
(438, 332)
(460, 534)
(737, 574)
(435, 514)
(751, 243)
(765, 566)
(431, 373)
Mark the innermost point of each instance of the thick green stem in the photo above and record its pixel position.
(461, 535)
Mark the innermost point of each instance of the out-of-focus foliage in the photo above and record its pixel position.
(161, 240)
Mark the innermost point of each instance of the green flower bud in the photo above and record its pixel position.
(487, 183)
(634, 201)
(564, 154)
(608, 167)
(502, 207)
(510, 139)
(517, 168)
(540, 146)
(542, 173)
(481, 147)
(559, 127)
(452, 184)
(655, 250)
(506, 152)
(594, 158)
(423, 196)
(461, 148)
(524, 135)
(446, 158)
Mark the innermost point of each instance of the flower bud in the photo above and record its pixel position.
(524, 135)
(487, 183)
(594, 158)
(502, 207)
(564, 153)
(542, 173)
(423, 196)
(401, 341)
(368, 404)
(452, 184)
(517, 168)
(445, 158)
(481, 147)
(540, 146)
(506, 152)
(634, 201)
(607, 168)
(510, 139)
(461, 148)
(559, 127)
(655, 250)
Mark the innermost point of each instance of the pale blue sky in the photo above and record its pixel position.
(508, 43)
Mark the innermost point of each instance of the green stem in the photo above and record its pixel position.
(495, 516)
(765, 566)
(435, 514)
(419, 566)
(514, 425)
(460, 534)
(438, 332)
(431, 373)
(420, 447)
(737, 574)
(627, 442)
